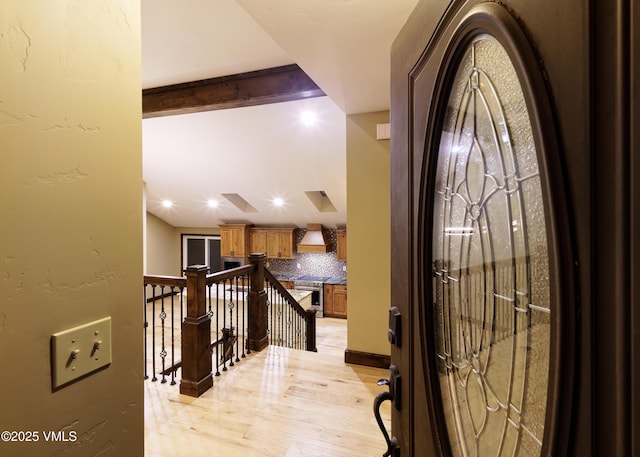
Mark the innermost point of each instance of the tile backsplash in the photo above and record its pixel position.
(311, 264)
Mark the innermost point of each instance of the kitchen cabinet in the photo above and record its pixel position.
(287, 284)
(258, 240)
(234, 240)
(276, 243)
(341, 245)
(280, 243)
(340, 301)
(335, 300)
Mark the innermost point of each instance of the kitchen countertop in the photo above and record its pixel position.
(337, 281)
(334, 281)
(299, 295)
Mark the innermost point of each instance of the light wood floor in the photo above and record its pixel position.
(277, 402)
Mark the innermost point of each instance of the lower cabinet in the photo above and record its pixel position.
(287, 284)
(335, 300)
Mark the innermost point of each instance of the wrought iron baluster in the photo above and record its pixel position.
(209, 299)
(163, 351)
(237, 317)
(173, 351)
(285, 310)
(228, 346)
(289, 323)
(288, 310)
(294, 330)
(303, 335)
(241, 332)
(153, 335)
(146, 324)
(269, 315)
(244, 315)
(217, 332)
(248, 320)
(274, 312)
(224, 323)
(280, 318)
(273, 327)
(282, 329)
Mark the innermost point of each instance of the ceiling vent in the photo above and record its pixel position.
(321, 201)
(314, 240)
(240, 203)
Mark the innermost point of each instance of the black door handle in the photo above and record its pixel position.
(393, 450)
(393, 395)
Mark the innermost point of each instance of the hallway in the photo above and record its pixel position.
(278, 402)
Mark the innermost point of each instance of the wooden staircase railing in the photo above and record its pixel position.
(290, 325)
(225, 316)
(163, 298)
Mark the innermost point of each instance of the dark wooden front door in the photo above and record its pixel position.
(515, 189)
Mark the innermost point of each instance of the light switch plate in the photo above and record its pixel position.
(78, 351)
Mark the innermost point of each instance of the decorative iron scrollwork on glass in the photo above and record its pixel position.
(490, 267)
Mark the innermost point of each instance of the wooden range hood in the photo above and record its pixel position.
(314, 240)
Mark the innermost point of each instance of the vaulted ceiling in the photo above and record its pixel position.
(261, 152)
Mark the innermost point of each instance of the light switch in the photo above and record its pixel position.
(80, 350)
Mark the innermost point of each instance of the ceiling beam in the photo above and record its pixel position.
(273, 85)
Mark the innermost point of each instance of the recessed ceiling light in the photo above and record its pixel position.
(212, 203)
(167, 203)
(278, 201)
(308, 118)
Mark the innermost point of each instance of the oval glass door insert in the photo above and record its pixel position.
(490, 264)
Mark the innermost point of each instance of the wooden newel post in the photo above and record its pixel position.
(311, 330)
(196, 336)
(258, 338)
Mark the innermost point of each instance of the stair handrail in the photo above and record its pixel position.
(309, 315)
(195, 325)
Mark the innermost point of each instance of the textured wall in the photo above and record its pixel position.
(71, 225)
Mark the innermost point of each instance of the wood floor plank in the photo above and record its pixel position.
(278, 402)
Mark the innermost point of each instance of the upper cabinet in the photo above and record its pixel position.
(234, 240)
(280, 243)
(276, 243)
(341, 245)
(257, 240)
